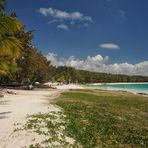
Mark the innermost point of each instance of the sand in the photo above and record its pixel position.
(14, 109)
(70, 86)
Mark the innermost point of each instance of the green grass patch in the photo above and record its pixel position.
(104, 119)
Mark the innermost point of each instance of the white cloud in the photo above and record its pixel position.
(63, 26)
(71, 18)
(110, 46)
(99, 63)
(53, 21)
(63, 15)
(74, 62)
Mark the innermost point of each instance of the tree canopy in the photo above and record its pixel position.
(20, 61)
(81, 76)
(9, 45)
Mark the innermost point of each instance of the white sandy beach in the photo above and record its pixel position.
(13, 112)
(14, 108)
(70, 86)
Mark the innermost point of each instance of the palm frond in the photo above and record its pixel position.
(4, 68)
(10, 46)
(9, 25)
(7, 65)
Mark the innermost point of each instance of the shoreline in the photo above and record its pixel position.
(118, 83)
(85, 87)
(120, 89)
(81, 86)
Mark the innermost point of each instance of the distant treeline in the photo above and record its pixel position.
(72, 75)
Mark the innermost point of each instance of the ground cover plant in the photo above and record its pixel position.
(94, 119)
(51, 126)
(106, 119)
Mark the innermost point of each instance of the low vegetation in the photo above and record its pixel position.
(93, 119)
(103, 119)
(51, 126)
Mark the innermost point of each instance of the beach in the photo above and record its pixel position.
(70, 86)
(14, 108)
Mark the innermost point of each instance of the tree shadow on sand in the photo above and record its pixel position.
(4, 102)
(3, 115)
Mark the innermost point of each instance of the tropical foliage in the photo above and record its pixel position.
(19, 59)
(32, 66)
(9, 45)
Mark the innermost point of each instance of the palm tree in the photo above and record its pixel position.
(8, 27)
(9, 45)
(7, 65)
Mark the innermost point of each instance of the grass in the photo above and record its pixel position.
(105, 119)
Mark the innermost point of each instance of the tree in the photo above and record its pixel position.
(32, 65)
(9, 45)
(82, 76)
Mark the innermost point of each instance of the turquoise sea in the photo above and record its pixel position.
(132, 87)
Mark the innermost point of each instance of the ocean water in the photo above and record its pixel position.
(134, 88)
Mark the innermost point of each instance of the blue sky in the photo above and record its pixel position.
(114, 29)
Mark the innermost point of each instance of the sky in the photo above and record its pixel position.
(97, 35)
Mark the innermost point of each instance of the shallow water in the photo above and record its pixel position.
(134, 88)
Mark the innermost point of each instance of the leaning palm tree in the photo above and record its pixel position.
(9, 45)
(8, 27)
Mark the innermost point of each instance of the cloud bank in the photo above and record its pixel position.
(99, 63)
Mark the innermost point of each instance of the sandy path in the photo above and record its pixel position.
(13, 112)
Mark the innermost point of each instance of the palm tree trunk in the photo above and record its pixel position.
(1, 92)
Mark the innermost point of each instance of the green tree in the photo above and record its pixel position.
(32, 65)
(9, 45)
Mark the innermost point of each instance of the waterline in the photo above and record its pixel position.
(130, 87)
